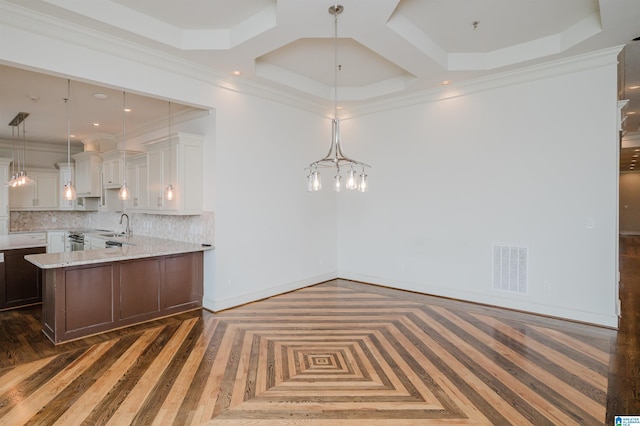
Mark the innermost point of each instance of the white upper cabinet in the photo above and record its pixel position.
(88, 183)
(42, 195)
(175, 160)
(137, 180)
(113, 168)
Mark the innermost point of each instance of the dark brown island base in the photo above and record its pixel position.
(90, 292)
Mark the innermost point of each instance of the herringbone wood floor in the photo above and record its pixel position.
(335, 353)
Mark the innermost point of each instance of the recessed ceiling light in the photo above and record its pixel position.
(445, 82)
(236, 73)
(95, 124)
(100, 96)
(72, 136)
(127, 110)
(633, 87)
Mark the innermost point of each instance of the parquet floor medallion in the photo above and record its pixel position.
(335, 353)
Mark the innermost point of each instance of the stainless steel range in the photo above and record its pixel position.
(76, 241)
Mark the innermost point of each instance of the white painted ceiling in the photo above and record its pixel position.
(386, 48)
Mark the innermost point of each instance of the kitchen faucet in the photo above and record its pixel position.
(127, 230)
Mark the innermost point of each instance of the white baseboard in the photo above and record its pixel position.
(595, 318)
(221, 304)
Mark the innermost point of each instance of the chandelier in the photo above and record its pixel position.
(335, 158)
(19, 177)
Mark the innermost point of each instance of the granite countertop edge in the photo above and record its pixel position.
(135, 247)
(20, 241)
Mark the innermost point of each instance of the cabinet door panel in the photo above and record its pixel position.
(139, 288)
(47, 191)
(22, 197)
(89, 296)
(182, 278)
(23, 281)
(156, 179)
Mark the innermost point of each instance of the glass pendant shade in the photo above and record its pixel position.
(124, 193)
(168, 193)
(351, 179)
(69, 191)
(363, 185)
(317, 183)
(338, 183)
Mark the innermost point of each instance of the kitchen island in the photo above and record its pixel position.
(93, 291)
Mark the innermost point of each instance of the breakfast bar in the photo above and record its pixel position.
(136, 280)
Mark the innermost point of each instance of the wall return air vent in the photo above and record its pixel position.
(510, 269)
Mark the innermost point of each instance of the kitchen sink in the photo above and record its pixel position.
(113, 235)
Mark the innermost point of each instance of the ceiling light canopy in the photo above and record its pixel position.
(335, 158)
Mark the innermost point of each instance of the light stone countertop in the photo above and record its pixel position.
(20, 241)
(134, 247)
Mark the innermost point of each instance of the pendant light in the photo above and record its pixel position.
(19, 178)
(13, 181)
(124, 193)
(335, 157)
(69, 192)
(169, 192)
(23, 178)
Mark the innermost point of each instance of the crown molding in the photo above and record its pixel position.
(592, 60)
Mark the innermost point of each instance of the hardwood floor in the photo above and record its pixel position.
(624, 377)
(336, 353)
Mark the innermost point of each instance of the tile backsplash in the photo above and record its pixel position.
(196, 229)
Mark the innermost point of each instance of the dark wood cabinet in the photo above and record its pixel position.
(83, 300)
(20, 281)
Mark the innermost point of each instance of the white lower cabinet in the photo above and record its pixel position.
(56, 241)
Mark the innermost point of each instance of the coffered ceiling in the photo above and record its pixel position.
(386, 47)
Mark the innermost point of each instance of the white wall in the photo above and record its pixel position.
(527, 165)
(271, 235)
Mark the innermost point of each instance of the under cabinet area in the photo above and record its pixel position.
(20, 281)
